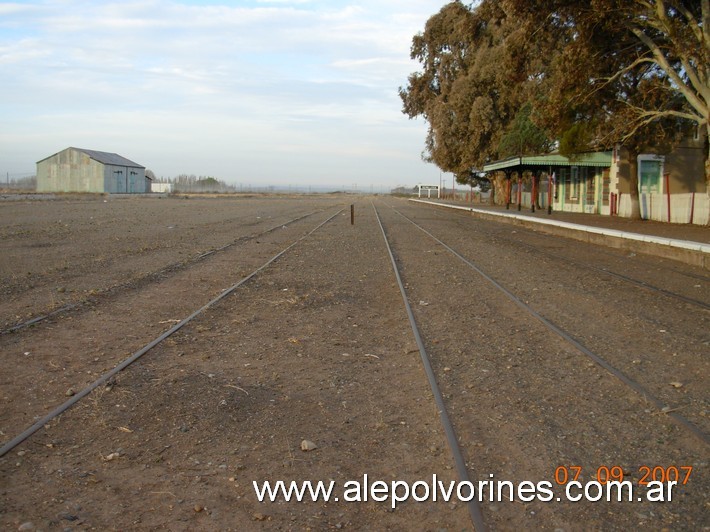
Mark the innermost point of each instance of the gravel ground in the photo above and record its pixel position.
(318, 347)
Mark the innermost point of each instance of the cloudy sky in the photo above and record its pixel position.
(260, 92)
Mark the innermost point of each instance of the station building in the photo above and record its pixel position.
(671, 185)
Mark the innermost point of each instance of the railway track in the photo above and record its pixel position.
(443, 362)
(158, 275)
(660, 405)
(474, 507)
(503, 235)
(104, 378)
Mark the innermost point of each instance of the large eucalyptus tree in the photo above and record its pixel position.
(633, 72)
(470, 87)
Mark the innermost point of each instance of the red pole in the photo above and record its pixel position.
(668, 194)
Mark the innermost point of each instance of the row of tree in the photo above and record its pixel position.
(518, 77)
(27, 182)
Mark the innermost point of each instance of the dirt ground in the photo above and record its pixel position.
(318, 347)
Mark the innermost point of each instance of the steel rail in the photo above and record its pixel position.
(643, 284)
(609, 250)
(176, 266)
(474, 508)
(14, 442)
(631, 280)
(628, 381)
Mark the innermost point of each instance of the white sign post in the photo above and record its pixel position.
(429, 188)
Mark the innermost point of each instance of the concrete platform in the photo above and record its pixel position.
(653, 238)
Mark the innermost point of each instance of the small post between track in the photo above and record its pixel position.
(352, 214)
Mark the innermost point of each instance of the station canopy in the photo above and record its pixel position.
(597, 159)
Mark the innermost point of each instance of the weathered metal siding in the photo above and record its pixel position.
(70, 171)
(124, 179)
(78, 170)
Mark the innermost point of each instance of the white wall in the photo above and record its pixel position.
(655, 207)
(161, 187)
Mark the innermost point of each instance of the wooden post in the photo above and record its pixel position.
(352, 214)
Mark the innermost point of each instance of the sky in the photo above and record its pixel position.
(258, 92)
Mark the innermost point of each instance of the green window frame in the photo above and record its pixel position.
(574, 182)
(650, 174)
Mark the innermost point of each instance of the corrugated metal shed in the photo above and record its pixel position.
(81, 170)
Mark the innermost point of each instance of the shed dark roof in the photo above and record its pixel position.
(109, 158)
(104, 158)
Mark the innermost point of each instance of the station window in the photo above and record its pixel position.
(564, 179)
(590, 181)
(650, 173)
(605, 187)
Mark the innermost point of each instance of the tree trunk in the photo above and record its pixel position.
(707, 165)
(634, 185)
